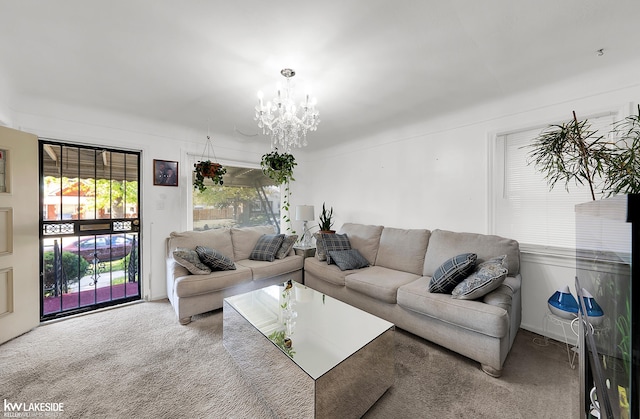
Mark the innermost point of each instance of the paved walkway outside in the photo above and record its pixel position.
(90, 293)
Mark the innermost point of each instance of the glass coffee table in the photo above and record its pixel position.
(308, 355)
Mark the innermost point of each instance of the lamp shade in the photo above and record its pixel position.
(304, 213)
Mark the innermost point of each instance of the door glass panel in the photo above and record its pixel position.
(87, 185)
(90, 230)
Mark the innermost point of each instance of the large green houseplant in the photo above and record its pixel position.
(279, 168)
(574, 153)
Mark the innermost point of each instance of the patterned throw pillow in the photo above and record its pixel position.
(267, 247)
(487, 277)
(348, 259)
(286, 246)
(321, 253)
(190, 260)
(214, 259)
(452, 272)
(334, 242)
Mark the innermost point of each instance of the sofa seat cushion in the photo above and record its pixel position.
(379, 282)
(186, 286)
(330, 273)
(488, 319)
(262, 269)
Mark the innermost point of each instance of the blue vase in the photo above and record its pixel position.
(563, 304)
(594, 311)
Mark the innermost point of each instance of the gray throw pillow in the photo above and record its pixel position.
(214, 259)
(348, 259)
(267, 247)
(321, 253)
(286, 246)
(190, 260)
(487, 277)
(334, 242)
(452, 272)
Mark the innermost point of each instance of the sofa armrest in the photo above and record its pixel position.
(174, 270)
(503, 295)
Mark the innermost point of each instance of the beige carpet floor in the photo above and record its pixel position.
(136, 361)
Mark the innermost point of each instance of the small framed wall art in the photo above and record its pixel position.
(165, 172)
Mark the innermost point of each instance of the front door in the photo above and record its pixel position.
(90, 228)
(19, 282)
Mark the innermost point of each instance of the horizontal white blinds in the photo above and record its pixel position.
(524, 207)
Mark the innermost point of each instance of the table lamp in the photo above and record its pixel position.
(305, 213)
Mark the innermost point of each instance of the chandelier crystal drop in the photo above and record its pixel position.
(286, 123)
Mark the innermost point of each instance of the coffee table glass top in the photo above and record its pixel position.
(316, 331)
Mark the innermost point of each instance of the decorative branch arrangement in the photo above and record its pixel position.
(572, 152)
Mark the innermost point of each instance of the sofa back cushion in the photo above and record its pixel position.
(365, 238)
(218, 239)
(244, 239)
(403, 250)
(444, 245)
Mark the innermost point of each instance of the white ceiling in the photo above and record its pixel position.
(372, 64)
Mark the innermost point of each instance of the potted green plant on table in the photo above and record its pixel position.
(326, 220)
(207, 169)
(279, 168)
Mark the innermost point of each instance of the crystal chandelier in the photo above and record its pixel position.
(286, 123)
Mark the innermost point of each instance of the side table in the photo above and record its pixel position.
(570, 339)
(572, 346)
(305, 252)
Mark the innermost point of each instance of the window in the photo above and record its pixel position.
(246, 198)
(523, 207)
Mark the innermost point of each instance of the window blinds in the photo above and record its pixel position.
(524, 207)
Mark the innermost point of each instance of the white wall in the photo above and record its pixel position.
(437, 174)
(431, 175)
(5, 98)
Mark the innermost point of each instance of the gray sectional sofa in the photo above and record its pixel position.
(396, 287)
(192, 294)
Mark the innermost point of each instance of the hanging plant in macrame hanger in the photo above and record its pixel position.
(204, 169)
